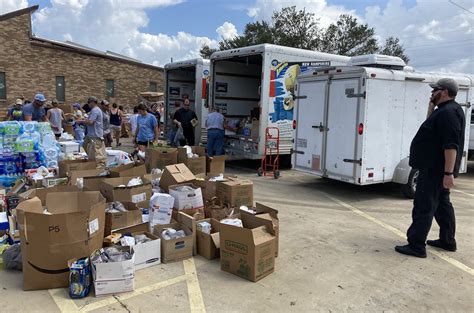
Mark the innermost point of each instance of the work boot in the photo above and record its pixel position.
(408, 250)
(442, 245)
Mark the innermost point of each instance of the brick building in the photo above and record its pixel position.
(65, 70)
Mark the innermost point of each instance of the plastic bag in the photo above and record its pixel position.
(12, 258)
(135, 182)
(178, 137)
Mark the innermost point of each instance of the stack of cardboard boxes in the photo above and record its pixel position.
(191, 201)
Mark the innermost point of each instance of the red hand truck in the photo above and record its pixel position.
(271, 155)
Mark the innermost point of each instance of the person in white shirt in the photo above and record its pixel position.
(133, 119)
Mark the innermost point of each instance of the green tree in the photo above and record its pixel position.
(392, 46)
(348, 37)
(299, 29)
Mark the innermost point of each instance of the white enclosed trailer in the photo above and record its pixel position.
(356, 123)
(254, 86)
(189, 77)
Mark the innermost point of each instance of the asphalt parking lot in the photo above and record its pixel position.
(336, 254)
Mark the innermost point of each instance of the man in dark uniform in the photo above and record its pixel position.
(436, 151)
(186, 119)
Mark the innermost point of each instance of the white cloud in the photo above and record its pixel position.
(227, 31)
(12, 5)
(437, 35)
(116, 25)
(327, 14)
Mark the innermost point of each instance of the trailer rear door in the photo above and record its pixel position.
(310, 126)
(342, 124)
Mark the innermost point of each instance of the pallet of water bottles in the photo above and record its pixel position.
(24, 146)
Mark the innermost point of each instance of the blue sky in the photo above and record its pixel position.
(437, 35)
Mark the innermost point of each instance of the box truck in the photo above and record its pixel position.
(189, 77)
(254, 88)
(355, 123)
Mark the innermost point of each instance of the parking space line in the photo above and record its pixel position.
(463, 192)
(137, 292)
(397, 232)
(196, 301)
(61, 298)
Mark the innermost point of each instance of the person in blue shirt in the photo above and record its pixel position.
(35, 111)
(147, 128)
(215, 133)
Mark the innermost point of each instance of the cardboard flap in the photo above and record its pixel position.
(261, 208)
(216, 239)
(252, 222)
(261, 235)
(32, 205)
(65, 202)
(181, 172)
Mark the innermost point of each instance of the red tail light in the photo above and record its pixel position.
(361, 129)
(294, 124)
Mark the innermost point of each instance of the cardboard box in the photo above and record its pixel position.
(112, 192)
(114, 277)
(235, 192)
(109, 287)
(69, 147)
(114, 221)
(177, 249)
(93, 183)
(216, 210)
(208, 187)
(76, 174)
(114, 270)
(160, 158)
(209, 244)
(268, 216)
(74, 229)
(75, 165)
(186, 199)
(196, 165)
(248, 251)
(188, 218)
(128, 170)
(216, 164)
(149, 253)
(133, 229)
(157, 229)
(42, 192)
(174, 175)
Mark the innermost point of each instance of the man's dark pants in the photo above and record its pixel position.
(431, 200)
(188, 133)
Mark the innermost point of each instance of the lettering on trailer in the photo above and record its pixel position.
(282, 86)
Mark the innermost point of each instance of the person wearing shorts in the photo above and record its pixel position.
(147, 128)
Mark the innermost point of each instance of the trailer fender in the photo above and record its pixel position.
(402, 172)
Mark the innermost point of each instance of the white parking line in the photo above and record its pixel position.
(397, 232)
(463, 192)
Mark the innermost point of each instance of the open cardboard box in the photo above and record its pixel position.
(235, 192)
(118, 220)
(186, 199)
(174, 175)
(195, 165)
(248, 251)
(160, 157)
(74, 229)
(129, 170)
(67, 166)
(208, 245)
(112, 192)
(216, 164)
(177, 249)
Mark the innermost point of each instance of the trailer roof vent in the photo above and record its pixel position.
(378, 60)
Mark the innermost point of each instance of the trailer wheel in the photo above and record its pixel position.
(276, 174)
(260, 171)
(409, 188)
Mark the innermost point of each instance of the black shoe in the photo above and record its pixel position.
(408, 250)
(442, 245)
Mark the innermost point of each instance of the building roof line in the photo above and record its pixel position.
(16, 13)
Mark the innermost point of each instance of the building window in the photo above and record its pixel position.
(153, 87)
(110, 88)
(60, 89)
(3, 86)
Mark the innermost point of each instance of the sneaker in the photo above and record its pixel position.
(408, 250)
(442, 245)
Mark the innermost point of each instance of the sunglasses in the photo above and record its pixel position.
(436, 89)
